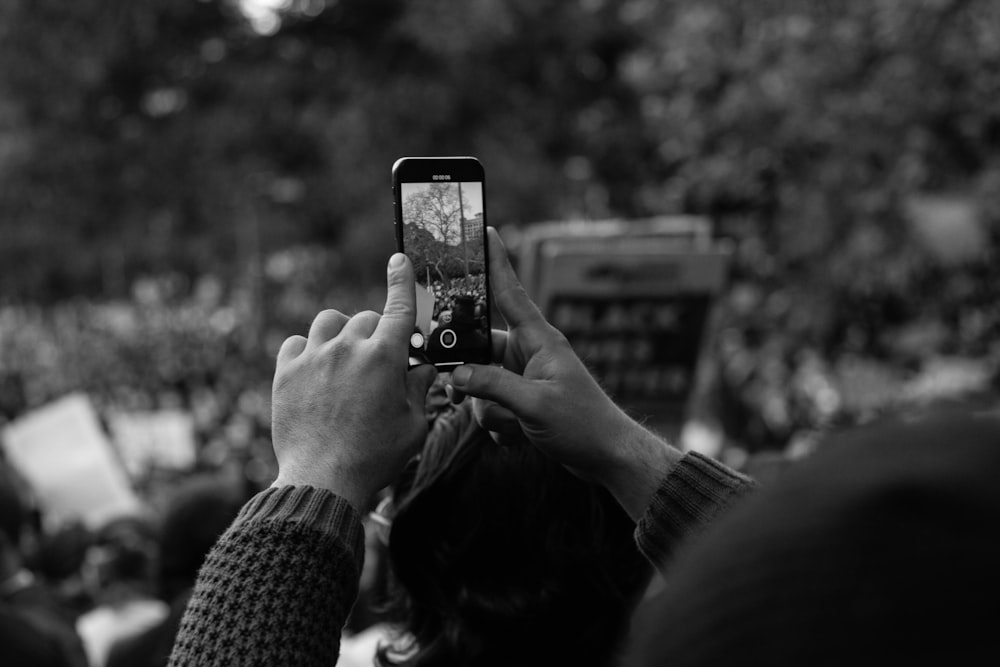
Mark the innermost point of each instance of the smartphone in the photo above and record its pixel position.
(440, 218)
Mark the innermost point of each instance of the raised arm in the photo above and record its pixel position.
(541, 388)
(347, 414)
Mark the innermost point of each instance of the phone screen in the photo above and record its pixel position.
(441, 226)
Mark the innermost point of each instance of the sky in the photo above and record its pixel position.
(263, 14)
(472, 195)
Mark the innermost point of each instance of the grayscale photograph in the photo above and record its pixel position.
(499, 333)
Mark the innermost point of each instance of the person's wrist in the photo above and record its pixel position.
(637, 466)
(338, 482)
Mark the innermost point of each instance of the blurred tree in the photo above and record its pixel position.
(146, 128)
(198, 140)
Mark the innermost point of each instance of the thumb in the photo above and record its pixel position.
(507, 389)
(397, 319)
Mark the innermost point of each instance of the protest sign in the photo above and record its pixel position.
(63, 453)
(161, 439)
(529, 243)
(635, 306)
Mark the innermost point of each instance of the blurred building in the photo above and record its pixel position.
(473, 229)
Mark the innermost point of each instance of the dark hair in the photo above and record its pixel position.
(14, 510)
(464, 308)
(131, 542)
(500, 556)
(62, 552)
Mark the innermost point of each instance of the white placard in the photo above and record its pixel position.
(163, 439)
(694, 232)
(64, 455)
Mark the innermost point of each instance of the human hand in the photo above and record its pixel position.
(543, 390)
(346, 412)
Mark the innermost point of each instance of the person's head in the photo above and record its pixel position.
(199, 512)
(118, 564)
(880, 548)
(24, 641)
(14, 511)
(500, 556)
(465, 308)
(62, 552)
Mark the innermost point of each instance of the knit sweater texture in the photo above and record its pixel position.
(278, 586)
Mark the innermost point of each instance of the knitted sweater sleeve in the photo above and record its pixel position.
(277, 587)
(692, 494)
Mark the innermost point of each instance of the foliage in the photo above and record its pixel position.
(160, 136)
(151, 135)
(151, 138)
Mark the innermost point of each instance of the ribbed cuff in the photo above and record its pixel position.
(694, 493)
(312, 508)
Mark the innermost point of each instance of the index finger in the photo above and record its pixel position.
(511, 299)
(400, 313)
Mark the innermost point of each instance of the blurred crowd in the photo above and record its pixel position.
(787, 359)
(109, 595)
(784, 367)
(131, 357)
(791, 358)
(848, 150)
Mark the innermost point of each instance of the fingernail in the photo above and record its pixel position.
(461, 375)
(396, 261)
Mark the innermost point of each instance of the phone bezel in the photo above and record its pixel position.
(459, 169)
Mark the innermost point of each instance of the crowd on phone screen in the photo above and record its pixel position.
(445, 296)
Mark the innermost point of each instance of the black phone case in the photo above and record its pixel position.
(459, 329)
